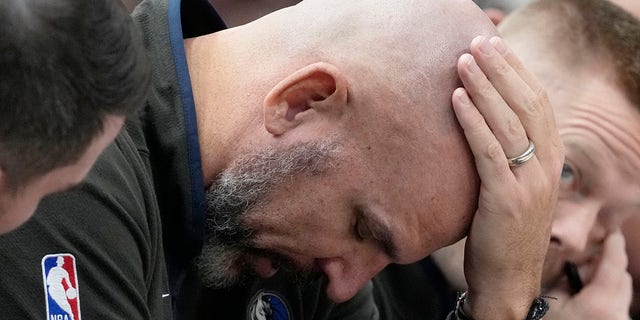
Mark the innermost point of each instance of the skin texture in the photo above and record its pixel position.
(16, 207)
(401, 164)
(599, 183)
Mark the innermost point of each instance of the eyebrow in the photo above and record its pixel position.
(380, 232)
(595, 166)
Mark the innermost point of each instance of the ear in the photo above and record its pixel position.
(496, 15)
(317, 89)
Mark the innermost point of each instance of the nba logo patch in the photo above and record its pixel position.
(61, 287)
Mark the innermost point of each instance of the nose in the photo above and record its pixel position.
(347, 275)
(575, 227)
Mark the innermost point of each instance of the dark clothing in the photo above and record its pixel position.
(412, 292)
(111, 225)
(143, 201)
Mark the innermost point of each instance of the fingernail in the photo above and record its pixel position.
(462, 96)
(499, 45)
(471, 64)
(486, 47)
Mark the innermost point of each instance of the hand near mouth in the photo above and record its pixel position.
(607, 295)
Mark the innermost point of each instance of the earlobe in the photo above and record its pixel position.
(319, 88)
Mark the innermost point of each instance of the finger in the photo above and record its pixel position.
(507, 54)
(504, 123)
(528, 78)
(490, 158)
(613, 261)
(527, 100)
(610, 290)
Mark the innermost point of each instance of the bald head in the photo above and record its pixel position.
(373, 74)
(401, 49)
(391, 55)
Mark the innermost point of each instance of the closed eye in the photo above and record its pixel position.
(360, 229)
(368, 226)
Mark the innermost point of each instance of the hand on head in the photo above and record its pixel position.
(502, 109)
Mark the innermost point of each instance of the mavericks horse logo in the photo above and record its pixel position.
(268, 306)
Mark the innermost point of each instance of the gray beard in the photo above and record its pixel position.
(246, 186)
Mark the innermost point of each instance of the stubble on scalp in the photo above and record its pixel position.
(244, 187)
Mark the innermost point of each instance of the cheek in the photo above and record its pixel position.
(320, 218)
(305, 212)
(567, 209)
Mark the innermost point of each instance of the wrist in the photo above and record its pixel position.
(481, 307)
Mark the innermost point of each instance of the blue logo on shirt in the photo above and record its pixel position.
(268, 306)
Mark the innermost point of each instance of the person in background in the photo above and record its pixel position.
(498, 9)
(71, 72)
(281, 164)
(596, 98)
(630, 227)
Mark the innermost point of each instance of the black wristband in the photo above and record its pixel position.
(538, 308)
(459, 311)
